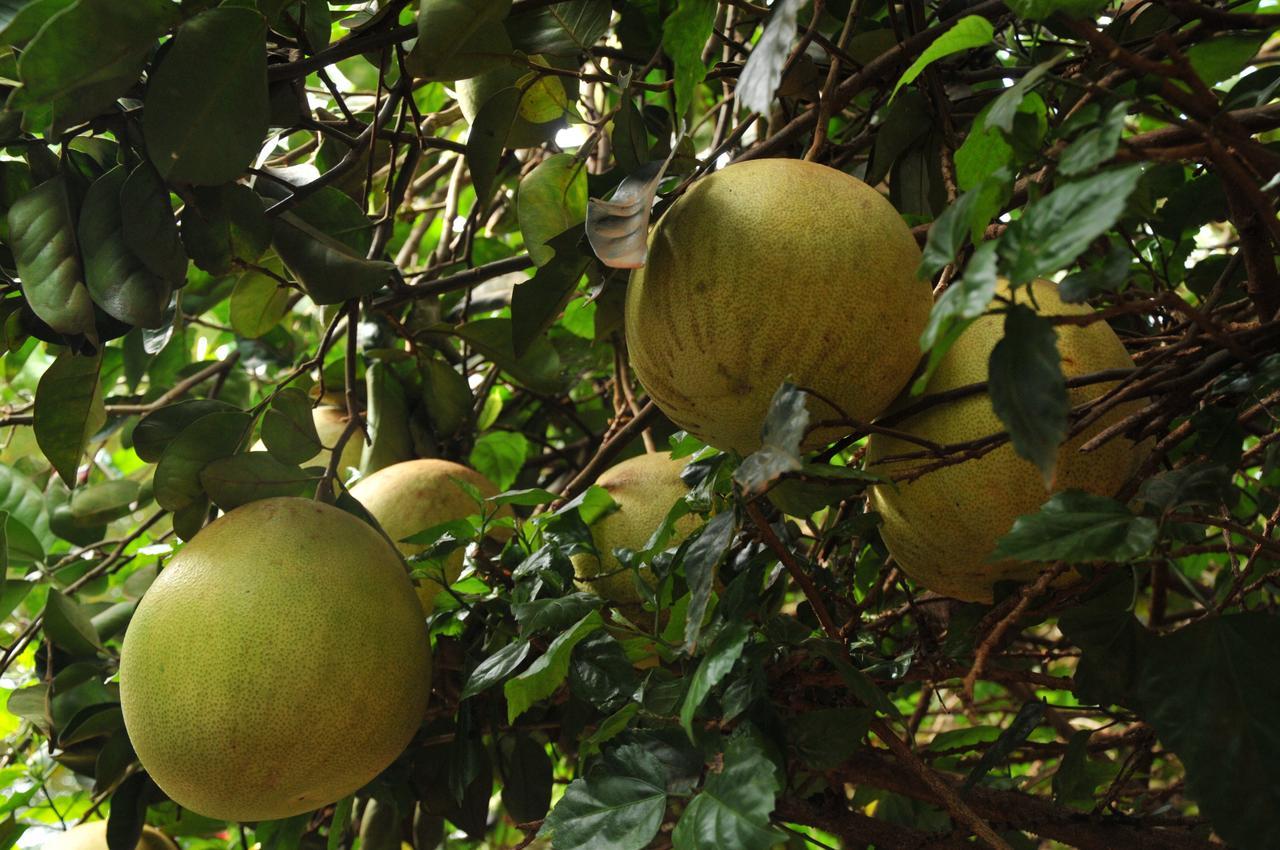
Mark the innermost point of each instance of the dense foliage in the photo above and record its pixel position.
(218, 214)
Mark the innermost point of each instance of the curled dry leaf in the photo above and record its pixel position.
(618, 229)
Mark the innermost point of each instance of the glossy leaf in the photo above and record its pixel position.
(239, 479)
(970, 31)
(289, 428)
(225, 224)
(154, 433)
(714, 666)
(117, 279)
(1078, 527)
(560, 29)
(150, 231)
(43, 240)
(213, 436)
(184, 101)
(388, 420)
(538, 302)
(548, 670)
(735, 803)
(69, 409)
(447, 27)
(327, 268)
(538, 369)
(618, 806)
(487, 138)
(1028, 390)
(68, 625)
(551, 200)
(258, 303)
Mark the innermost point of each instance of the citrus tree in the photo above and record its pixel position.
(613, 425)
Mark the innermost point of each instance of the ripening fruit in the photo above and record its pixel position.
(941, 527)
(93, 836)
(278, 663)
(775, 270)
(645, 488)
(406, 498)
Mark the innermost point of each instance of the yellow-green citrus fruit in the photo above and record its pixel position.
(406, 498)
(645, 489)
(473, 93)
(278, 663)
(93, 836)
(941, 527)
(775, 270)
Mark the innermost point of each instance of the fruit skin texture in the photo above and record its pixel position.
(941, 527)
(278, 663)
(93, 836)
(409, 497)
(645, 488)
(770, 270)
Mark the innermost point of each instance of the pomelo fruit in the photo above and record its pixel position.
(645, 488)
(774, 270)
(93, 836)
(941, 527)
(278, 663)
(409, 497)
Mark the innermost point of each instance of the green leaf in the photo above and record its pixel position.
(1096, 145)
(388, 420)
(446, 396)
(1078, 527)
(1053, 230)
(42, 236)
(618, 806)
(69, 626)
(548, 671)
(560, 29)
(1210, 692)
(68, 411)
(723, 653)
(341, 821)
(150, 231)
(4, 549)
(499, 456)
(527, 778)
(496, 668)
(99, 504)
(701, 562)
(1006, 107)
(735, 804)
(487, 138)
(1077, 778)
(1223, 56)
(1039, 10)
(155, 432)
(969, 31)
(185, 101)
(289, 428)
(258, 303)
(20, 20)
(763, 70)
(25, 504)
(601, 673)
(225, 224)
(88, 43)
(1011, 737)
(554, 614)
(552, 199)
(1028, 390)
(536, 303)
(968, 218)
(239, 479)
(779, 453)
(326, 267)
(823, 739)
(449, 27)
(539, 369)
(684, 34)
(118, 280)
(213, 436)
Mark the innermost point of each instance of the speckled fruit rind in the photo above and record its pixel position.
(278, 663)
(93, 836)
(409, 497)
(774, 270)
(941, 527)
(645, 488)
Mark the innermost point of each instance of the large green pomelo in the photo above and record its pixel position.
(278, 663)
(775, 270)
(93, 836)
(942, 526)
(409, 497)
(645, 488)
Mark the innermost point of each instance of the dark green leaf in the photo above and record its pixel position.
(1027, 387)
(1013, 735)
(684, 34)
(177, 477)
(1005, 107)
(496, 668)
(69, 626)
(701, 562)
(1078, 527)
(326, 267)
(1054, 229)
(968, 217)
(449, 27)
(723, 653)
(554, 614)
(184, 101)
(552, 199)
(539, 369)
(68, 411)
(538, 302)
(825, 738)
(618, 806)
(547, 672)
(258, 303)
(239, 479)
(99, 504)
(42, 236)
(150, 231)
(154, 433)
(1096, 145)
(1039, 10)
(763, 70)
(488, 137)
(388, 420)
(225, 223)
(560, 29)
(526, 779)
(22, 19)
(601, 673)
(289, 428)
(117, 279)
(735, 804)
(780, 437)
